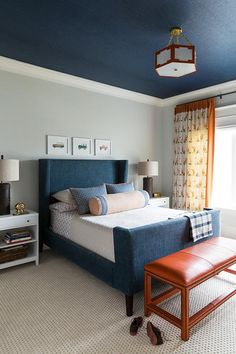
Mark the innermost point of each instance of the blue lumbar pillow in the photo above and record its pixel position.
(82, 196)
(119, 188)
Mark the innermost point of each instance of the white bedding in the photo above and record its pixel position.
(96, 232)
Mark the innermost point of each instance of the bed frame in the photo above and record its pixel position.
(133, 247)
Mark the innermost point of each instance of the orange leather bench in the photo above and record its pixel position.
(184, 270)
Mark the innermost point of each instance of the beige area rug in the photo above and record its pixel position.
(59, 308)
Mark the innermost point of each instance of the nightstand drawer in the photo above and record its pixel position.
(12, 222)
(161, 202)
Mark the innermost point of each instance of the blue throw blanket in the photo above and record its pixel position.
(200, 225)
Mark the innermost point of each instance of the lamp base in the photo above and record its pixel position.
(148, 185)
(4, 198)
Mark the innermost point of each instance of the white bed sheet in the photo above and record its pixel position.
(96, 232)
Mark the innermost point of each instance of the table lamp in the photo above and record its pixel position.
(9, 171)
(149, 169)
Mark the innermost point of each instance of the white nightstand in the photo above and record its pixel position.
(24, 221)
(161, 202)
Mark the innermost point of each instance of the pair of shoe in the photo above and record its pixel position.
(153, 332)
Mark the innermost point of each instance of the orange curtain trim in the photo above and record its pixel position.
(210, 156)
(193, 106)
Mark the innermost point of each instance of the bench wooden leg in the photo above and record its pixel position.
(185, 314)
(147, 293)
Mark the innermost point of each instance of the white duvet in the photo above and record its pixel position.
(96, 232)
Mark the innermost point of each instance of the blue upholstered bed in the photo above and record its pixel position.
(133, 247)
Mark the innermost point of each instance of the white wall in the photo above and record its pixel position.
(32, 108)
(167, 152)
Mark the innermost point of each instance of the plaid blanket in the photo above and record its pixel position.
(200, 225)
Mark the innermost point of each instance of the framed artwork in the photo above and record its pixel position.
(103, 147)
(82, 146)
(57, 145)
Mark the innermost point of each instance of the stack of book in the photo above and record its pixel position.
(14, 237)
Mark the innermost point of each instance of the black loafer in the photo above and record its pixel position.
(135, 325)
(154, 334)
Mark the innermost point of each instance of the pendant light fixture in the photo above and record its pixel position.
(176, 59)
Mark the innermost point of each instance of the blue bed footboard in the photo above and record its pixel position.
(136, 247)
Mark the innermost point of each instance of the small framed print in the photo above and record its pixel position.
(57, 145)
(103, 147)
(82, 146)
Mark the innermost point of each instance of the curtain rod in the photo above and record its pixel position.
(206, 98)
(223, 94)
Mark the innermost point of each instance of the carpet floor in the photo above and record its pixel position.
(58, 307)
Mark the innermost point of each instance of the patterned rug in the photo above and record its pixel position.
(59, 308)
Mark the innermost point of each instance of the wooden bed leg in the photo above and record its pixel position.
(147, 293)
(40, 246)
(129, 304)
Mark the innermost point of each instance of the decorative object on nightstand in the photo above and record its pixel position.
(19, 239)
(9, 171)
(148, 168)
(20, 208)
(157, 195)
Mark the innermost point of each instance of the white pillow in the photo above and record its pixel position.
(65, 196)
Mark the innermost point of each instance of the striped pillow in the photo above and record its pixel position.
(115, 203)
(61, 207)
(82, 196)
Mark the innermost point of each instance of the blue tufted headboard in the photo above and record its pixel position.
(57, 174)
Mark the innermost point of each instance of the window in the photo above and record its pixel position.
(224, 183)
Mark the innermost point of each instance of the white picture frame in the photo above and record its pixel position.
(102, 147)
(57, 145)
(82, 146)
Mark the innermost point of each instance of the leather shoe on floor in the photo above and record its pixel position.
(135, 324)
(154, 334)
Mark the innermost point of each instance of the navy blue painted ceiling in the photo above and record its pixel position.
(113, 41)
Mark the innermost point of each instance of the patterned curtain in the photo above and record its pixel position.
(194, 125)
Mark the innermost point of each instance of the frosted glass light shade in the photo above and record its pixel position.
(176, 60)
(148, 168)
(9, 170)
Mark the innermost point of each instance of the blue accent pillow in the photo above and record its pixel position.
(82, 196)
(146, 196)
(119, 188)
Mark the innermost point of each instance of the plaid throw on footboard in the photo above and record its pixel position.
(200, 225)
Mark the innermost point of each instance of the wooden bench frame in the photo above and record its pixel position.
(186, 322)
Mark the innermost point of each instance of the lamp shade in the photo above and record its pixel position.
(9, 170)
(148, 168)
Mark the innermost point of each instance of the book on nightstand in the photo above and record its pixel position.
(17, 236)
